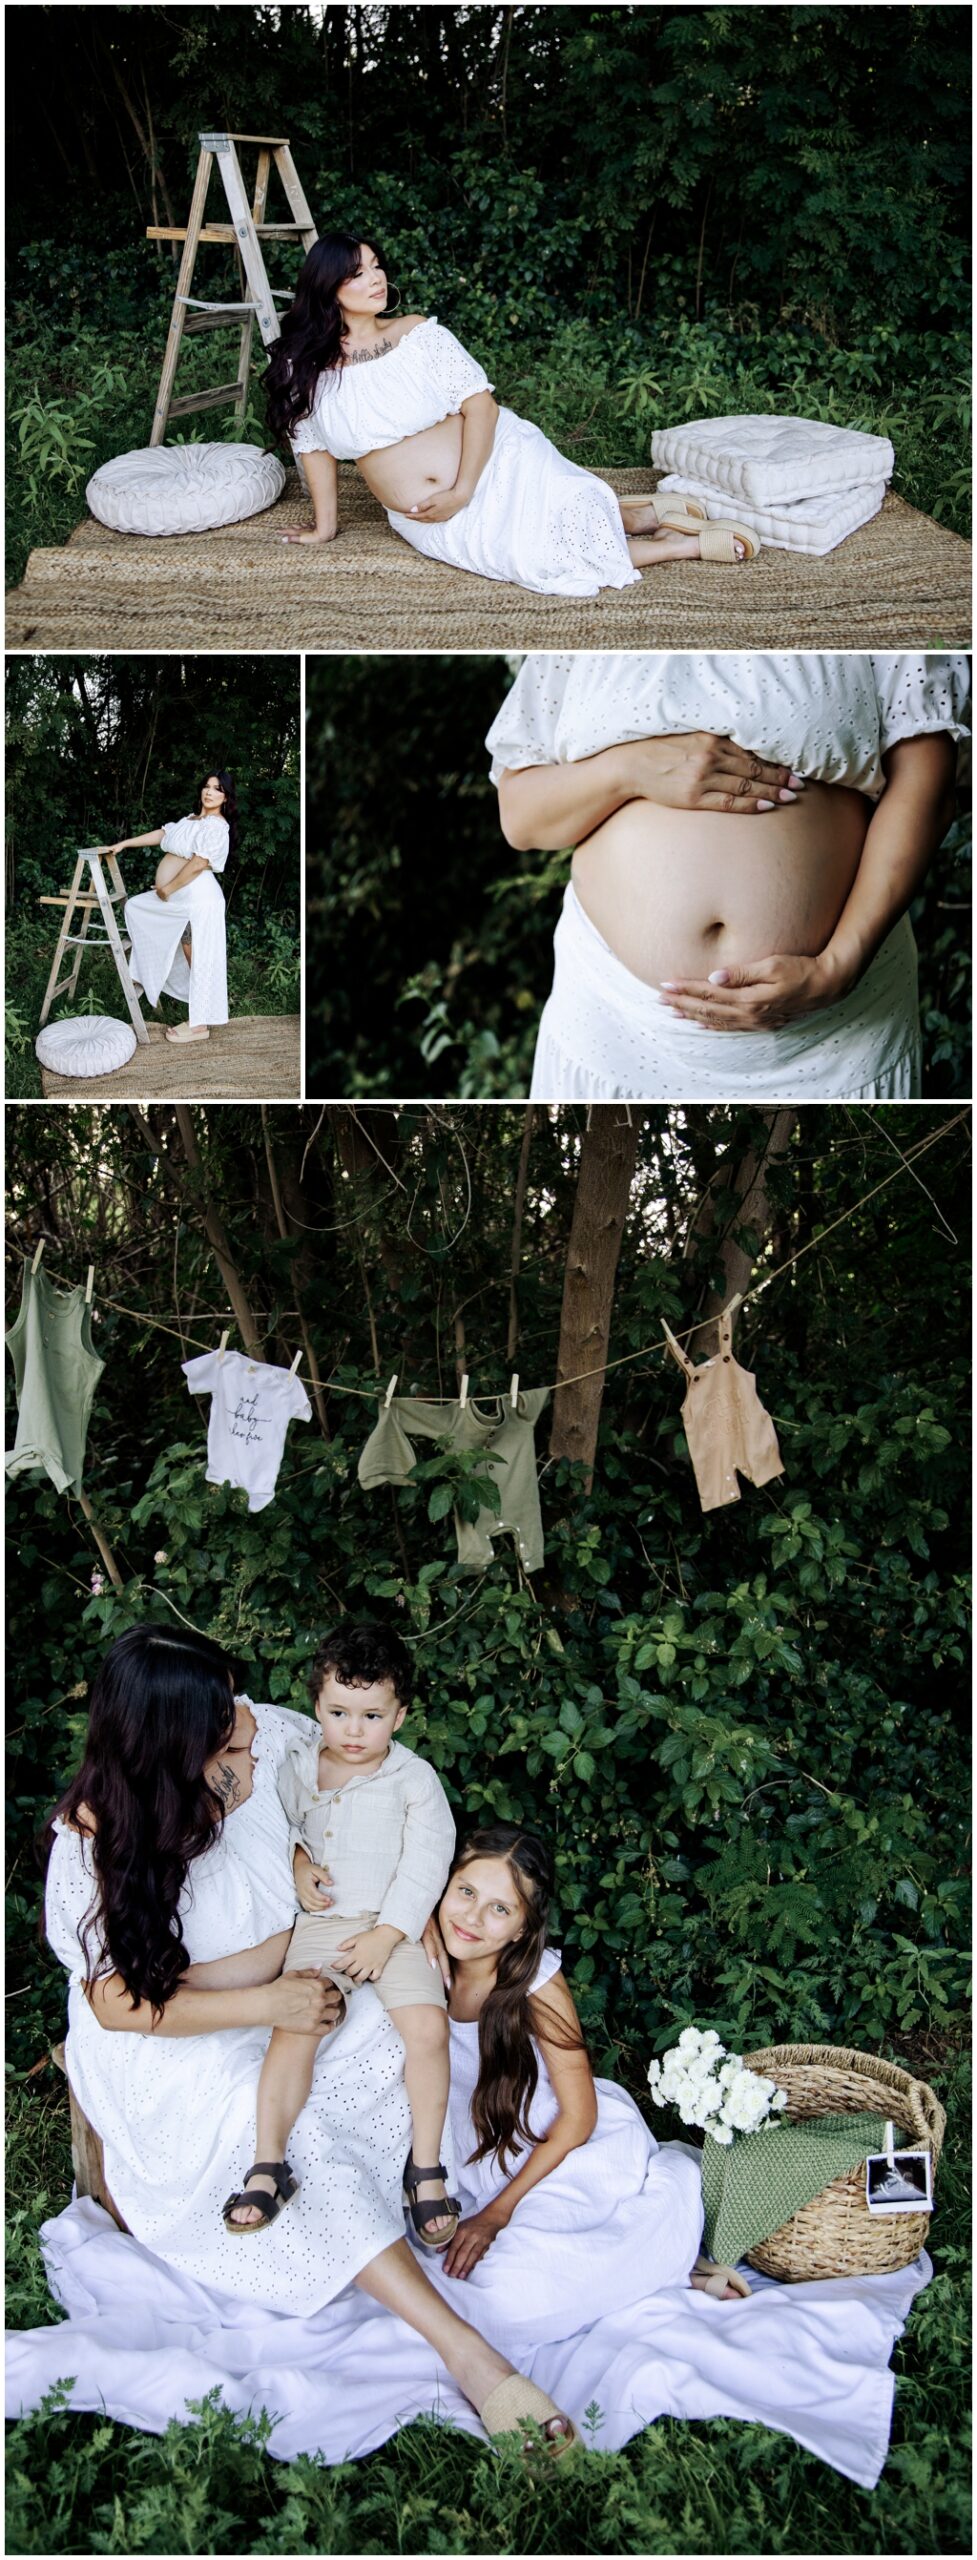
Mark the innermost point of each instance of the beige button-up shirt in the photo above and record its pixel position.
(387, 1840)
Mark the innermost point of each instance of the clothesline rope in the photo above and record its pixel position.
(368, 1394)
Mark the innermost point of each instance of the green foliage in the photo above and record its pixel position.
(743, 1732)
(625, 212)
(100, 748)
(412, 892)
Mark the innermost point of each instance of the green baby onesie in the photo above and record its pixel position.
(56, 1371)
(492, 1425)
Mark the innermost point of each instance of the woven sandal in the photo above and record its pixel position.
(679, 513)
(718, 542)
(707, 2277)
(515, 2402)
(269, 2207)
(431, 2210)
(182, 1035)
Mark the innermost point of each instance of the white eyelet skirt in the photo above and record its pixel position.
(606, 1037)
(535, 519)
(156, 928)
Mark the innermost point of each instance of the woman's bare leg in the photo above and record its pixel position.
(395, 2280)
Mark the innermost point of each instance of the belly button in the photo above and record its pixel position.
(710, 930)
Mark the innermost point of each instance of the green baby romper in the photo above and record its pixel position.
(56, 1372)
(491, 1425)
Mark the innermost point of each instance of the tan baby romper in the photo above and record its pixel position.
(725, 1423)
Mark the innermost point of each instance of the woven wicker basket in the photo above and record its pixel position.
(836, 2235)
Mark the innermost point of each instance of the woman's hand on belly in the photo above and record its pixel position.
(440, 508)
(763, 996)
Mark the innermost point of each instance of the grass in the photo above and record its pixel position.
(262, 978)
(82, 2483)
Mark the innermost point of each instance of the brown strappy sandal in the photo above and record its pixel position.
(269, 2207)
(430, 2210)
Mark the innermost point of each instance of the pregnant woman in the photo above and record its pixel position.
(749, 832)
(464, 481)
(170, 1900)
(177, 930)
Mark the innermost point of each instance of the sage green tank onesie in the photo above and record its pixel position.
(491, 1425)
(56, 1371)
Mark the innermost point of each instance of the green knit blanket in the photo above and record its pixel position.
(751, 2186)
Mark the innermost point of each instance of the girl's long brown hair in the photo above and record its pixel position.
(508, 2072)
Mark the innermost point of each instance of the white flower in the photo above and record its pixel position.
(721, 2133)
(160, 1556)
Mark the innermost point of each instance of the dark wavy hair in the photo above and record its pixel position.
(312, 330)
(360, 1651)
(508, 2073)
(229, 810)
(161, 1705)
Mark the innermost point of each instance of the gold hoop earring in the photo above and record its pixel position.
(389, 314)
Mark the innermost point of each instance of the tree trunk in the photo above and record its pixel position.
(736, 1198)
(607, 1161)
(219, 1241)
(522, 1177)
(315, 1380)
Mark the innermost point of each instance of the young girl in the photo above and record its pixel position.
(568, 2202)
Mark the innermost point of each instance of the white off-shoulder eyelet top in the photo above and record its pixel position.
(360, 408)
(831, 717)
(198, 839)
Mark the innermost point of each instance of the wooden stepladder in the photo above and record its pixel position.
(84, 902)
(245, 231)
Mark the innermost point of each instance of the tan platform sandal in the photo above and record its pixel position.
(515, 2401)
(182, 1034)
(681, 515)
(707, 2277)
(718, 542)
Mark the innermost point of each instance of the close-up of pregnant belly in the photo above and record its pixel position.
(678, 892)
(403, 475)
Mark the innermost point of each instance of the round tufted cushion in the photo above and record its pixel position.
(185, 488)
(94, 1045)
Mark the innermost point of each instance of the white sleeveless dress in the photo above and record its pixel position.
(534, 518)
(620, 2217)
(177, 2116)
(156, 927)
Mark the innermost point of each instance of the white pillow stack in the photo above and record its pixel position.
(798, 483)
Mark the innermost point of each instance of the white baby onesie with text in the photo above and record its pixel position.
(251, 1407)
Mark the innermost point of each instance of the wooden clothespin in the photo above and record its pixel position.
(735, 1301)
(388, 1398)
(37, 1256)
(463, 1396)
(89, 1284)
(294, 1364)
(514, 1389)
(225, 1338)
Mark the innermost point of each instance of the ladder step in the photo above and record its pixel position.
(216, 399)
(224, 231)
(66, 900)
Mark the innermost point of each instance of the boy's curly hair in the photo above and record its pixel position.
(360, 1651)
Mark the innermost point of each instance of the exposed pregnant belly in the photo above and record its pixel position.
(167, 868)
(403, 475)
(678, 892)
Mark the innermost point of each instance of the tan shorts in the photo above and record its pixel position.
(408, 1981)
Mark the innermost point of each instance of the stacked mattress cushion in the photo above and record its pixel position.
(798, 483)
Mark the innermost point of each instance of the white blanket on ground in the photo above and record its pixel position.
(814, 524)
(141, 2340)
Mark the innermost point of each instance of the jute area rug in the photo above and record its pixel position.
(255, 1058)
(902, 582)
